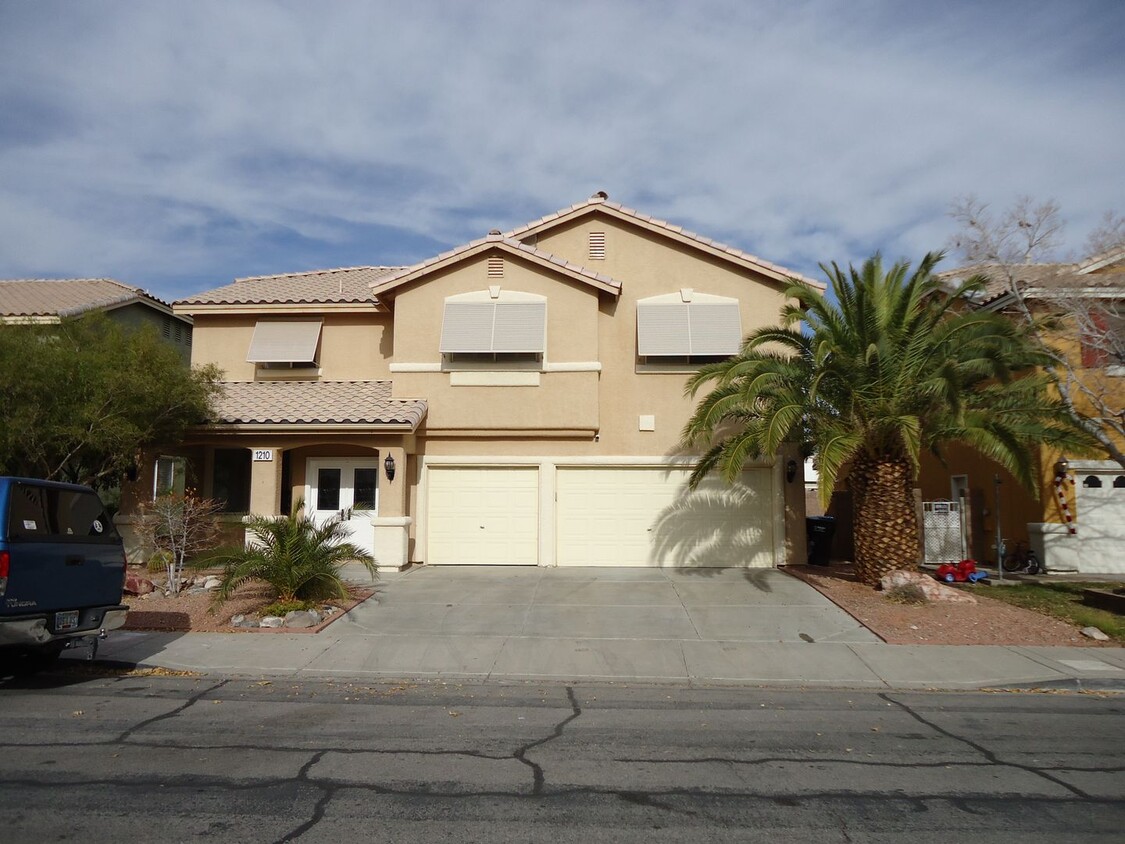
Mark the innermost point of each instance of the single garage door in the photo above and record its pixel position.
(642, 516)
(482, 515)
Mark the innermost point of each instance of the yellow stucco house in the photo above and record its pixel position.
(1078, 522)
(517, 400)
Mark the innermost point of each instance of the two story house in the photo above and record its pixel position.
(1077, 521)
(515, 401)
(40, 300)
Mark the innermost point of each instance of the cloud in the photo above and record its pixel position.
(179, 145)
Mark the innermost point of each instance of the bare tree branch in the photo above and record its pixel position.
(1090, 318)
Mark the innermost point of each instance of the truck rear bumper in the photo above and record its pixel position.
(34, 630)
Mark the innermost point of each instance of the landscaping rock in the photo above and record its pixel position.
(271, 621)
(929, 587)
(212, 582)
(236, 620)
(137, 585)
(302, 618)
(1094, 633)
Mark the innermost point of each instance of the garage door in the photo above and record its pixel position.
(483, 516)
(647, 517)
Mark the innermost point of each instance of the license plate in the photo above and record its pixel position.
(66, 620)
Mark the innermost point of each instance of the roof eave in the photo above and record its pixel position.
(475, 248)
(188, 308)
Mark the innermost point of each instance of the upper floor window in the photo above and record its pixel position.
(285, 344)
(491, 327)
(686, 329)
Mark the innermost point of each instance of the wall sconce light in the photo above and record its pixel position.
(790, 471)
(389, 467)
(1062, 466)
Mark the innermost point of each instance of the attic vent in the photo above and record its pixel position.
(597, 246)
(496, 266)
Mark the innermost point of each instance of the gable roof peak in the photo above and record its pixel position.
(600, 203)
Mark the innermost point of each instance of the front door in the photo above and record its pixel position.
(344, 487)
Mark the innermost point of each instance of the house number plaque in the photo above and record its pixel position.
(263, 455)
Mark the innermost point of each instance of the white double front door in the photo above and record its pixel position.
(346, 488)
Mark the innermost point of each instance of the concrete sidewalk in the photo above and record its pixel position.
(701, 627)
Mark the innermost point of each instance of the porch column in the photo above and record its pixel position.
(265, 481)
(392, 525)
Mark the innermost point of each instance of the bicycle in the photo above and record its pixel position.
(1021, 559)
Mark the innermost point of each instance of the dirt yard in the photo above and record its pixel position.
(988, 622)
(198, 613)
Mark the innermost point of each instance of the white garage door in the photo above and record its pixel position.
(1101, 521)
(646, 517)
(483, 516)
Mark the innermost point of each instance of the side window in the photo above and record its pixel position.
(170, 476)
(231, 483)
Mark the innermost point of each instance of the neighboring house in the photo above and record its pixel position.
(1087, 533)
(49, 300)
(517, 400)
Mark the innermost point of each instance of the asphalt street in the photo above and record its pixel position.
(97, 756)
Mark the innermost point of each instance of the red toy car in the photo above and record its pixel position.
(964, 571)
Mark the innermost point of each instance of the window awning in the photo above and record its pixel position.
(285, 341)
(688, 328)
(494, 327)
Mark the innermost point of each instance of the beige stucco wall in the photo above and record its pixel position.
(353, 346)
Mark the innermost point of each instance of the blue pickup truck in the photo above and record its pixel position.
(62, 572)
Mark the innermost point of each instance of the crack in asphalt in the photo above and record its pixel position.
(538, 778)
(318, 807)
(191, 701)
(327, 789)
(984, 751)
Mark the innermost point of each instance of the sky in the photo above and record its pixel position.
(179, 145)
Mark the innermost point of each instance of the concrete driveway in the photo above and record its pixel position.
(711, 605)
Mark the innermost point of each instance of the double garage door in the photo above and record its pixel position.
(596, 516)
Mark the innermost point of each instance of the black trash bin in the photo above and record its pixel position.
(819, 531)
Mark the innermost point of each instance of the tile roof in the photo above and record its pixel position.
(600, 200)
(344, 285)
(316, 402)
(1033, 278)
(597, 278)
(42, 297)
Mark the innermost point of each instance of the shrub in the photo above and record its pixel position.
(179, 527)
(283, 607)
(296, 558)
(907, 593)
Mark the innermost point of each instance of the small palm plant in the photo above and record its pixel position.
(299, 559)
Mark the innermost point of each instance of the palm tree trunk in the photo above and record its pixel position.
(885, 521)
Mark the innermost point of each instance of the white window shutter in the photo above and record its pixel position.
(284, 341)
(467, 327)
(520, 327)
(494, 327)
(676, 328)
(716, 328)
(662, 329)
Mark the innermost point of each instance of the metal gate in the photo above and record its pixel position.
(943, 531)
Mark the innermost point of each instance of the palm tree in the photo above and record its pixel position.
(299, 559)
(897, 366)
